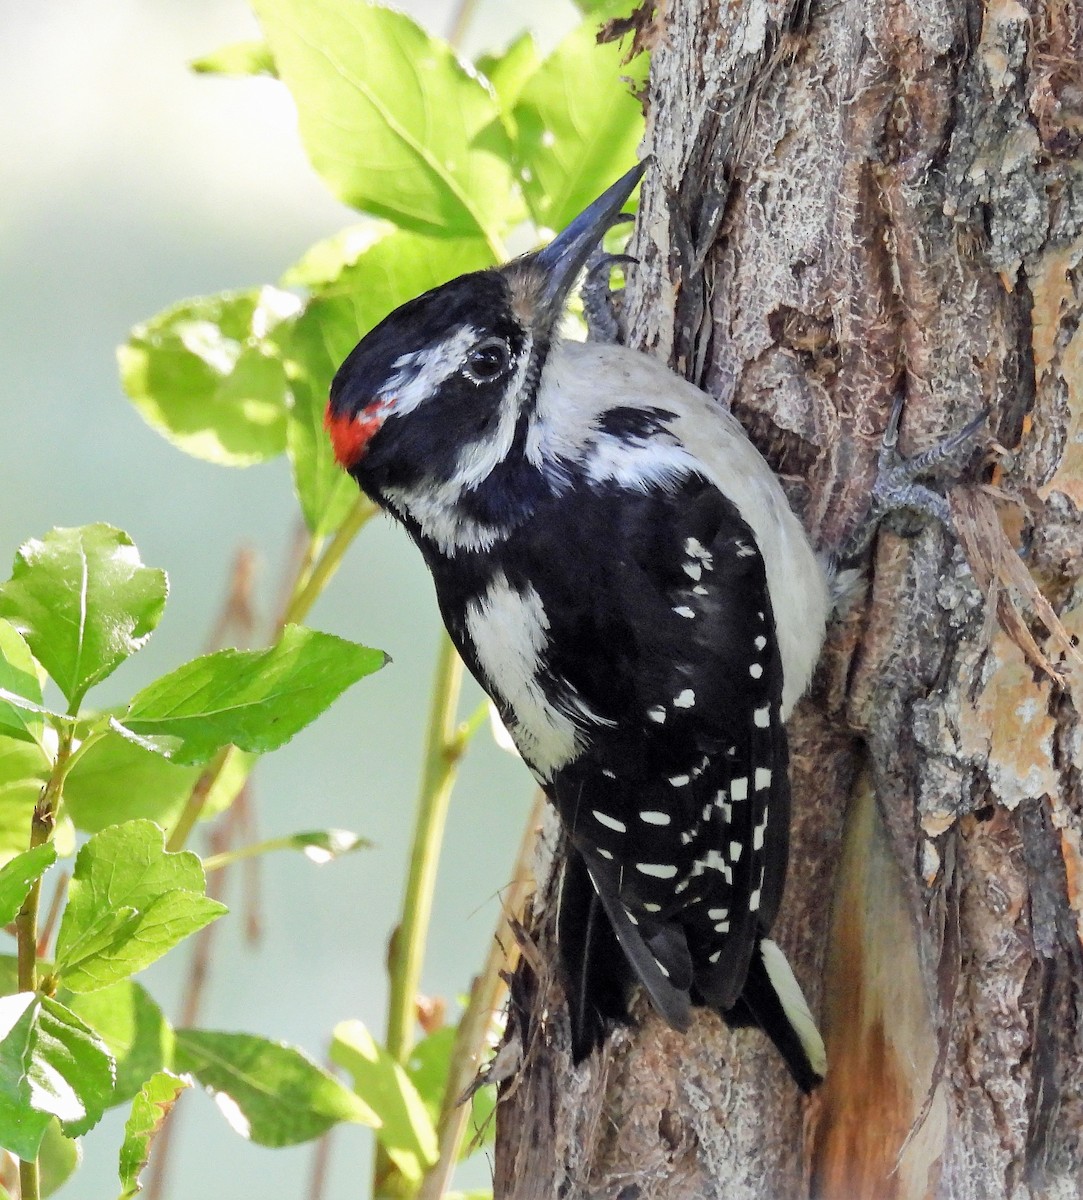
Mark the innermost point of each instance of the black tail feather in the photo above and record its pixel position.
(597, 976)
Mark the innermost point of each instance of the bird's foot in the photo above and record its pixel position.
(601, 302)
(899, 488)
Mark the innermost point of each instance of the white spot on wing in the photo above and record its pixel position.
(762, 717)
(754, 901)
(657, 870)
(763, 779)
(755, 670)
(658, 713)
(758, 832)
(739, 788)
(608, 821)
(682, 610)
(654, 818)
(685, 699)
(679, 780)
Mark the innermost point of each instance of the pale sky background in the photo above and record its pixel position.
(128, 183)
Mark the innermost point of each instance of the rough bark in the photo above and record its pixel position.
(846, 201)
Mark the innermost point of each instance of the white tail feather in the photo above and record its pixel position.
(794, 1004)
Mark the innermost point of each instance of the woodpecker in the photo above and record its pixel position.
(621, 571)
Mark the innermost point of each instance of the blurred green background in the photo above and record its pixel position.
(131, 183)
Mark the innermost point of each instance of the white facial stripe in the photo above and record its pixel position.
(417, 376)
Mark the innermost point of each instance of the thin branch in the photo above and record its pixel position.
(460, 20)
(443, 749)
(445, 743)
(311, 583)
(486, 996)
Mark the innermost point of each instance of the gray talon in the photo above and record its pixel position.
(601, 306)
(897, 488)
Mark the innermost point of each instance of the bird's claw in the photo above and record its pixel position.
(600, 302)
(897, 487)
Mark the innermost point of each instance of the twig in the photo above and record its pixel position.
(442, 753)
(191, 1002)
(45, 933)
(485, 998)
(460, 19)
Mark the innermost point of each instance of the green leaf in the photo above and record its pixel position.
(58, 1157)
(238, 58)
(84, 602)
(270, 1093)
(23, 770)
(391, 271)
(19, 677)
(149, 1110)
(134, 1031)
(115, 780)
(254, 699)
(578, 128)
(129, 901)
(17, 877)
(322, 263)
(325, 492)
(508, 72)
(407, 1131)
(395, 124)
(51, 1065)
(203, 374)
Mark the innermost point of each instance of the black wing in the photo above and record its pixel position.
(660, 624)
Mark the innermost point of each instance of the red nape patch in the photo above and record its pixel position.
(350, 435)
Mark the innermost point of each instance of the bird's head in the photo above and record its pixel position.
(436, 396)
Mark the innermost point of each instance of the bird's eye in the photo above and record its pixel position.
(487, 361)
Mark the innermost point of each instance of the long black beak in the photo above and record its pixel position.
(566, 255)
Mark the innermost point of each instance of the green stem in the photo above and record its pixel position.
(313, 576)
(443, 749)
(29, 1180)
(197, 799)
(445, 743)
(215, 862)
(42, 824)
(312, 580)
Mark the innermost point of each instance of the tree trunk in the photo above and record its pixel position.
(848, 201)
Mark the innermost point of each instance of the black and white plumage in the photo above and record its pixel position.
(621, 571)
